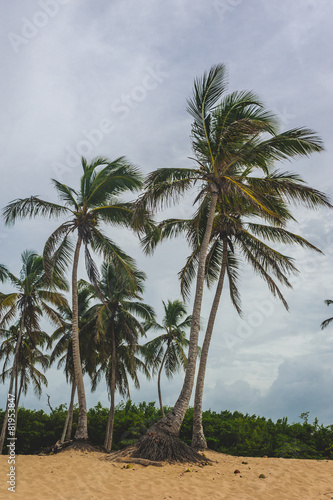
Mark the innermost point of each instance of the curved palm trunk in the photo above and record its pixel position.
(82, 426)
(172, 422)
(159, 381)
(69, 417)
(198, 437)
(11, 383)
(109, 427)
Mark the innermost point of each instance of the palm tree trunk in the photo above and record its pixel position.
(159, 381)
(71, 413)
(17, 402)
(110, 424)
(198, 437)
(19, 393)
(11, 383)
(82, 426)
(172, 422)
(16, 383)
(69, 417)
(108, 428)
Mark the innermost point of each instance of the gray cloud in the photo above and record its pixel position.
(113, 77)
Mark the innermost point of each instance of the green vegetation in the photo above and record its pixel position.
(226, 432)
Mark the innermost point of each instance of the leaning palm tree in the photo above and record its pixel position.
(117, 330)
(234, 237)
(85, 209)
(233, 137)
(28, 304)
(64, 349)
(166, 351)
(327, 321)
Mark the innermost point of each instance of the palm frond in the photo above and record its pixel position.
(66, 194)
(326, 323)
(188, 274)
(165, 186)
(116, 177)
(31, 207)
(329, 320)
(3, 273)
(120, 214)
(101, 244)
(58, 251)
(207, 91)
(280, 235)
(233, 277)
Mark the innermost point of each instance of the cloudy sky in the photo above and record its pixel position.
(111, 78)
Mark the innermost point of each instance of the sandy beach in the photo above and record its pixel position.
(82, 475)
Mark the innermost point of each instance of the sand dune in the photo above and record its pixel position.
(75, 475)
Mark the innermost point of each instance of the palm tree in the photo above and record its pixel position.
(234, 237)
(167, 350)
(231, 140)
(29, 355)
(327, 321)
(117, 330)
(85, 209)
(63, 349)
(30, 302)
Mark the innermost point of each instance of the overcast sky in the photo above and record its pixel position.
(111, 78)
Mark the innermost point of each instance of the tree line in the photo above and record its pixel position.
(242, 206)
(226, 432)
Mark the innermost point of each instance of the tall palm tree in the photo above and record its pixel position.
(167, 350)
(232, 138)
(117, 330)
(29, 303)
(64, 349)
(85, 209)
(234, 237)
(327, 321)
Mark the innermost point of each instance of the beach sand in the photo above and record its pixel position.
(83, 475)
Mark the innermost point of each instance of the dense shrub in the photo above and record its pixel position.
(226, 432)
